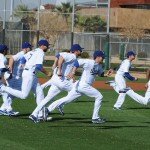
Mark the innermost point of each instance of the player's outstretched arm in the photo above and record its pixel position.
(109, 72)
(11, 64)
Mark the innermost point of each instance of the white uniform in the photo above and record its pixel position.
(14, 83)
(121, 82)
(29, 79)
(59, 84)
(83, 86)
(138, 98)
(3, 62)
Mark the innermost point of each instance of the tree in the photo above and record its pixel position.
(90, 24)
(65, 9)
(52, 25)
(26, 16)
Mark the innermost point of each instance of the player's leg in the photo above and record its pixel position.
(147, 94)
(121, 84)
(14, 83)
(25, 88)
(92, 92)
(72, 95)
(138, 98)
(46, 84)
(53, 91)
(5, 105)
(39, 94)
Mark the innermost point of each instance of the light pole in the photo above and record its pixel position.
(38, 21)
(4, 23)
(107, 44)
(72, 28)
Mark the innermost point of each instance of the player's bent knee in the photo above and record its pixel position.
(24, 96)
(100, 97)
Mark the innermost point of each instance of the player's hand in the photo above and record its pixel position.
(10, 69)
(53, 67)
(49, 74)
(136, 79)
(110, 72)
(70, 76)
(146, 85)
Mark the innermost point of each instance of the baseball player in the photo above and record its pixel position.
(3, 69)
(54, 68)
(33, 61)
(59, 81)
(91, 68)
(120, 79)
(15, 82)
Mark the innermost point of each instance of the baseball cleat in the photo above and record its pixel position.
(3, 112)
(45, 113)
(49, 118)
(60, 109)
(33, 118)
(98, 121)
(125, 90)
(12, 113)
(41, 118)
(109, 82)
(116, 108)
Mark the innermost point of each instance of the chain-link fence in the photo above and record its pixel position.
(83, 23)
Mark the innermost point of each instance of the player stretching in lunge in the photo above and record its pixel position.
(59, 81)
(33, 61)
(120, 79)
(15, 82)
(91, 68)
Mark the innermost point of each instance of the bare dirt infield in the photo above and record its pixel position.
(101, 85)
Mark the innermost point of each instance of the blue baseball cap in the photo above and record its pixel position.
(3, 47)
(98, 53)
(130, 53)
(76, 47)
(26, 45)
(43, 42)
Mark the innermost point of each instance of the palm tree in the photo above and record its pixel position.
(65, 9)
(25, 15)
(91, 24)
(21, 11)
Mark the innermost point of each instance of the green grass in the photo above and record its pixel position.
(125, 130)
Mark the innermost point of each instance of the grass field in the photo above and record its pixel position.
(124, 130)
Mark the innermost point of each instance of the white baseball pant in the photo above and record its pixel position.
(120, 85)
(57, 85)
(7, 98)
(138, 98)
(76, 92)
(29, 82)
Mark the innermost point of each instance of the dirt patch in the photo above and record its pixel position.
(101, 85)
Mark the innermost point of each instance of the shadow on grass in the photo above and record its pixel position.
(89, 101)
(26, 115)
(98, 126)
(137, 108)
